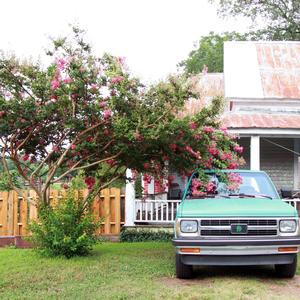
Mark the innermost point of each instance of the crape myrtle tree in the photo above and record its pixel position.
(87, 113)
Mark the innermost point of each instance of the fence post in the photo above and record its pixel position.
(3, 212)
(10, 213)
(129, 200)
(117, 193)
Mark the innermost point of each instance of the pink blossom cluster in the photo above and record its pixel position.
(238, 149)
(210, 187)
(106, 114)
(199, 188)
(173, 147)
(90, 182)
(212, 149)
(158, 168)
(117, 79)
(196, 186)
(55, 84)
(68, 80)
(25, 157)
(208, 129)
(234, 181)
(55, 148)
(102, 104)
(121, 60)
(94, 86)
(224, 129)
(192, 152)
(226, 156)
(193, 125)
(232, 165)
(61, 63)
(208, 163)
(147, 177)
(197, 137)
(111, 162)
(165, 157)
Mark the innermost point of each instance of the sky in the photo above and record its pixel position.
(153, 35)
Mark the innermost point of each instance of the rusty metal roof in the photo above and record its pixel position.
(262, 70)
(234, 120)
(207, 86)
(279, 66)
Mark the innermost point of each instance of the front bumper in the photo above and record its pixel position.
(237, 251)
(237, 246)
(280, 241)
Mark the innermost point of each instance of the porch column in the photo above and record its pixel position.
(296, 163)
(255, 152)
(129, 200)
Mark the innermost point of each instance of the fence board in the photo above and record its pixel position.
(3, 212)
(117, 194)
(17, 212)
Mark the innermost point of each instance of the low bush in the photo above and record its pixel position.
(142, 235)
(66, 229)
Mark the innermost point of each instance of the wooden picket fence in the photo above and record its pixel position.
(17, 212)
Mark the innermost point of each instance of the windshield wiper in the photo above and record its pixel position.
(243, 195)
(264, 196)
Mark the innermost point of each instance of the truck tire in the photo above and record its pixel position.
(183, 271)
(288, 270)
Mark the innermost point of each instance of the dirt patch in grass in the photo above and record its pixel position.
(245, 280)
(289, 287)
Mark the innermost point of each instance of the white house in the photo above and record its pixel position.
(262, 90)
(261, 86)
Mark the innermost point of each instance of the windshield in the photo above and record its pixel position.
(249, 184)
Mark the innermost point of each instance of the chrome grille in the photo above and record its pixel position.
(223, 227)
(251, 232)
(228, 222)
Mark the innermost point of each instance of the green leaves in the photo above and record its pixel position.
(209, 53)
(272, 19)
(66, 230)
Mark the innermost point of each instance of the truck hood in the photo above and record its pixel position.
(235, 207)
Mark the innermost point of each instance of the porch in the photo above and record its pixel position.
(162, 212)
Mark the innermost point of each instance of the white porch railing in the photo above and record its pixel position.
(164, 211)
(294, 202)
(155, 211)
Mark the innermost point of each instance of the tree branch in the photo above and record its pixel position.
(74, 168)
(4, 162)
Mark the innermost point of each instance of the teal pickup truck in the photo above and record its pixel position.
(250, 226)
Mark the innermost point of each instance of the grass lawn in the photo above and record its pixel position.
(131, 271)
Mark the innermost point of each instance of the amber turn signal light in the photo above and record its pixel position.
(287, 249)
(190, 250)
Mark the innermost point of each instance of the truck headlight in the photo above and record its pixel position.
(188, 226)
(288, 226)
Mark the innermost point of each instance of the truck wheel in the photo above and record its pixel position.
(183, 271)
(288, 270)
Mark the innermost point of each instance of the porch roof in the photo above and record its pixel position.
(238, 120)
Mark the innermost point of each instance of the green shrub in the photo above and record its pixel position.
(66, 229)
(142, 235)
